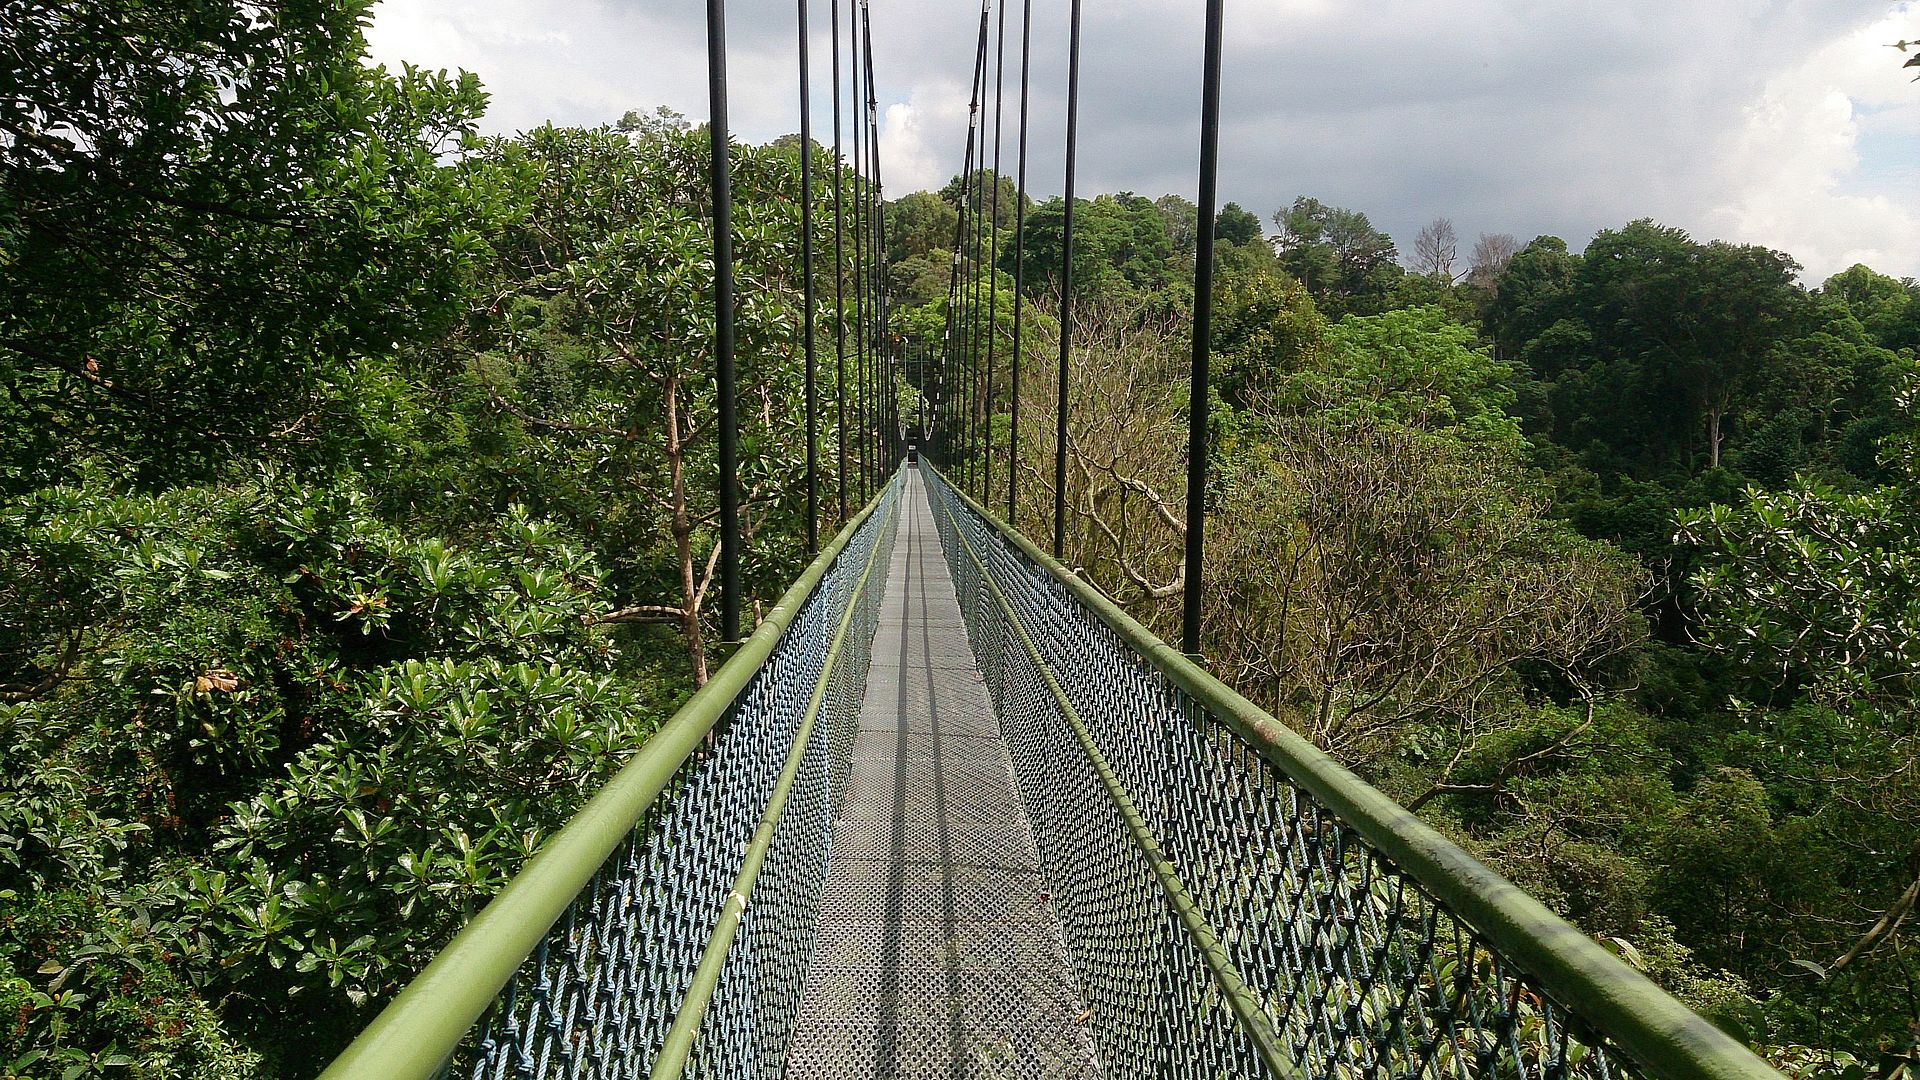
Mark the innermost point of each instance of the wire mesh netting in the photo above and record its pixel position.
(597, 998)
(1352, 968)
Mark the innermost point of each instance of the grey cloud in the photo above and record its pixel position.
(1506, 116)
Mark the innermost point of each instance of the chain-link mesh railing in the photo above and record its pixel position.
(1237, 905)
(659, 963)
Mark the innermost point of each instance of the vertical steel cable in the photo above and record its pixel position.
(977, 185)
(1066, 293)
(839, 276)
(806, 288)
(859, 259)
(882, 360)
(993, 248)
(951, 414)
(969, 274)
(1019, 264)
(723, 319)
(975, 177)
(1197, 400)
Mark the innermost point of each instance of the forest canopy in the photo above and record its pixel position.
(358, 501)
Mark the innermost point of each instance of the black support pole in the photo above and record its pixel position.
(1197, 399)
(882, 347)
(859, 258)
(723, 321)
(1066, 292)
(951, 408)
(993, 249)
(839, 277)
(976, 236)
(979, 240)
(1019, 266)
(806, 288)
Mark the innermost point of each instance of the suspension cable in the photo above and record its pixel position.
(951, 411)
(839, 277)
(1019, 263)
(975, 177)
(1066, 293)
(882, 366)
(723, 319)
(806, 288)
(993, 247)
(859, 257)
(1197, 401)
(976, 236)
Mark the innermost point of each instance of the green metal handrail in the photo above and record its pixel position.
(415, 1036)
(1617, 1002)
(1233, 987)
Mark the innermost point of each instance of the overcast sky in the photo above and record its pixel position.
(1782, 122)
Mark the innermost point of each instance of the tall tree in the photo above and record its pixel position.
(201, 206)
(1489, 258)
(1237, 225)
(1698, 321)
(1436, 249)
(919, 223)
(1346, 264)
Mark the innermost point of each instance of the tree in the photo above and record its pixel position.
(1491, 252)
(1346, 264)
(1435, 250)
(1124, 447)
(1266, 331)
(606, 290)
(205, 207)
(919, 224)
(1183, 223)
(1237, 225)
(1889, 309)
(919, 279)
(1401, 623)
(1818, 587)
(1530, 294)
(656, 125)
(1383, 568)
(978, 191)
(1811, 592)
(1120, 242)
(1699, 322)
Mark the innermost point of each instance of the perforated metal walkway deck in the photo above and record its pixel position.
(939, 952)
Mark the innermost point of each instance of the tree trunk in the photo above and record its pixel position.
(683, 536)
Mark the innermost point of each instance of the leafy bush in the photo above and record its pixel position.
(394, 722)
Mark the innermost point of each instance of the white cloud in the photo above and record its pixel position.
(1787, 123)
(909, 159)
(1792, 169)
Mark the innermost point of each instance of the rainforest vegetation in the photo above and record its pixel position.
(357, 517)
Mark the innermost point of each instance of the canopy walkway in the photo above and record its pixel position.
(950, 813)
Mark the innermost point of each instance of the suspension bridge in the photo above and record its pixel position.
(948, 811)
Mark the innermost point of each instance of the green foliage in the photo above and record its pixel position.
(1346, 264)
(1120, 244)
(210, 213)
(1815, 586)
(1266, 328)
(1420, 367)
(399, 718)
(1237, 225)
(599, 373)
(921, 224)
(357, 497)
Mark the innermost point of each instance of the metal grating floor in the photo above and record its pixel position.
(939, 954)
